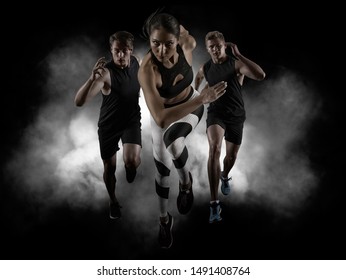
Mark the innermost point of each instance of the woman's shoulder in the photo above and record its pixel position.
(146, 60)
(147, 66)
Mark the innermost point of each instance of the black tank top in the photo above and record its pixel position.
(121, 105)
(230, 104)
(168, 75)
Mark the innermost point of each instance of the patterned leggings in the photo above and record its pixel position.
(169, 146)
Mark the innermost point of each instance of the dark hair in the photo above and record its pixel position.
(123, 37)
(157, 20)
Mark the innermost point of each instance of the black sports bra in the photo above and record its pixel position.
(168, 75)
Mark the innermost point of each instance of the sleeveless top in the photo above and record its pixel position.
(121, 105)
(168, 75)
(231, 103)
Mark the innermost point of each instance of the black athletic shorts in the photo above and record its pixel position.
(109, 137)
(233, 126)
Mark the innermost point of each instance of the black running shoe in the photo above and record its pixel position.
(130, 174)
(114, 210)
(185, 199)
(165, 233)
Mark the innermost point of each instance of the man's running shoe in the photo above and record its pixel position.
(226, 185)
(215, 211)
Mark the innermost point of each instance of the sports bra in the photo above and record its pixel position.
(168, 75)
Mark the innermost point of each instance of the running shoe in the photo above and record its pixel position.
(215, 211)
(165, 233)
(226, 185)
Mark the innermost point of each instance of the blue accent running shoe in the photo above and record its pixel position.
(215, 211)
(226, 185)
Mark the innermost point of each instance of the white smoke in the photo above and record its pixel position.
(59, 158)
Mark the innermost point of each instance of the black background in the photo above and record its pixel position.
(286, 34)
